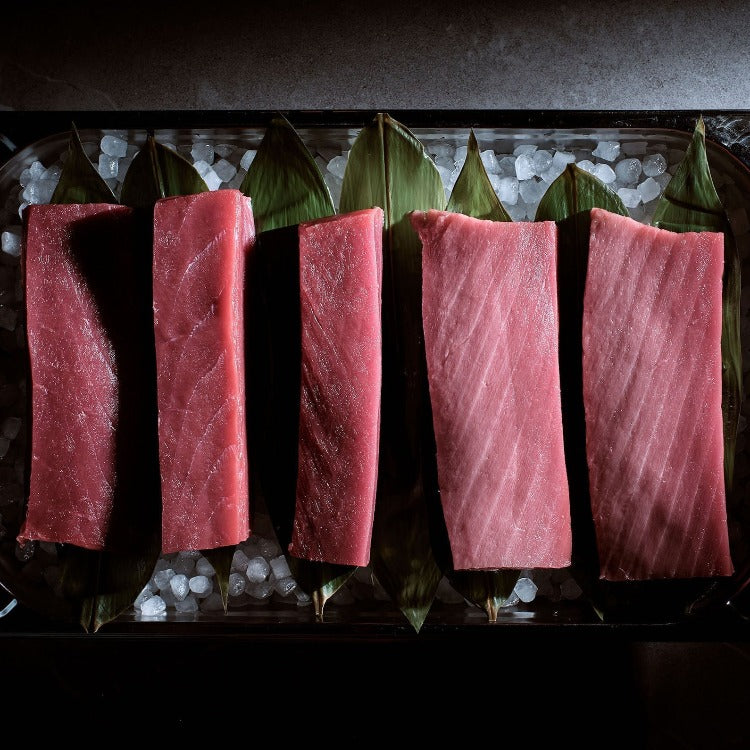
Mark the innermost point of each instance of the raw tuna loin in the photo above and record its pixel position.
(491, 338)
(339, 426)
(652, 394)
(93, 477)
(200, 247)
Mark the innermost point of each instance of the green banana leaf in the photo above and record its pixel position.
(487, 589)
(691, 204)
(388, 167)
(284, 182)
(473, 193)
(568, 202)
(286, 188)
(79, 180)
(321, 580)
(158, 172)
(221, 560)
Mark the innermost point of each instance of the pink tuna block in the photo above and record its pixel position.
(339, 427)
(75, 260)
(652, 393)
(489, 304)
(200, 248)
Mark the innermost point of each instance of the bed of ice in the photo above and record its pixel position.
(185, 583)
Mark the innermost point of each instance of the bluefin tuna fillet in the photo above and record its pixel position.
(339, 427)
(489, 304)
(90, 374)
(652, 396)
(200, 248)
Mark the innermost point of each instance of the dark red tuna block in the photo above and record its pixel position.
(339, 427)
(489, 304)
(652, 393)
(90, 376)
(200, 248)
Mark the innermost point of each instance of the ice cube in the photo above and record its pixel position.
(337, 166)
(225, 170)
(180, 586)
(285, 586)
(257, 569)
(334, 186)
(445, 161)
(649, 189)
(268, 547)
(607, 150)
(507, 190)
(517, 211)
(460, 155)
(280, 567)
(163, 577)
(630, 197)
(239, 560)
(247, 159)
(108, 166)
(628, 170)
(532, 190)
(507, 166)
(202, 152)
(113, 146)
(36, 170)
(654, 165)
(586, 165)
(604, 172)
(445, 175)
(490, 161)
(52, 173)
(204, 568)
(524, 167)
(542, 161)
(201, 585)
(563, 158)
(146, 593)
(11, 242)
(212, 180)
(525, 589)
(153, 606)
(524, 148)
(236, 584)
(260, 590)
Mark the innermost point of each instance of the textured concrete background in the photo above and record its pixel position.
(343, 55)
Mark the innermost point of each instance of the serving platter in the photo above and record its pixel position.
(717, 607)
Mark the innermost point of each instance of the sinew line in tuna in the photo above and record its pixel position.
(93, 475)
(340, 261)
(652, 395)
(490, 319)
(200, 247)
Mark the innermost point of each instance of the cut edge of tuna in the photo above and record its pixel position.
(489, 303)
(652, 392)
(339, 427)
